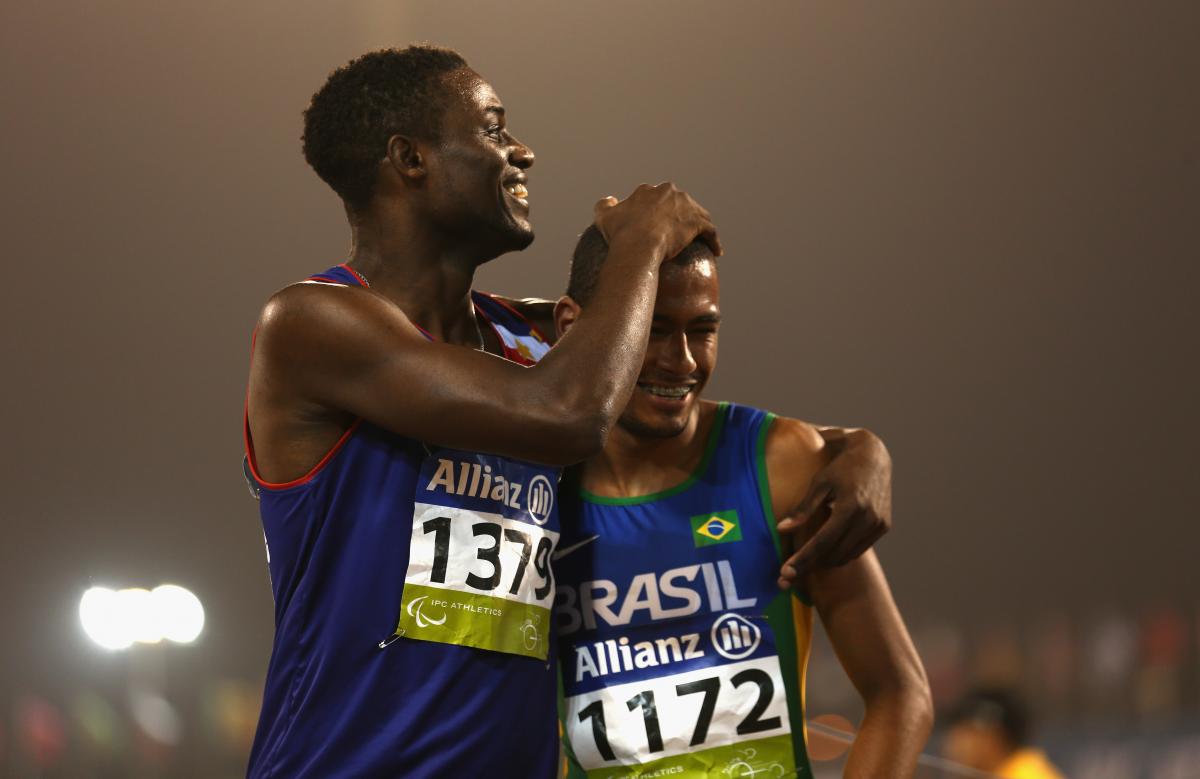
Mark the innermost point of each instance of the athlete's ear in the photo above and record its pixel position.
(405, 157)
(566, 311)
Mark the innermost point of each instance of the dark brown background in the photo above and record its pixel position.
(969, 226)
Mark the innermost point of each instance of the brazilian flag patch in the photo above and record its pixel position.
(715, 527)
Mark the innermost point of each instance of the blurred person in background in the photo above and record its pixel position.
(989, 730)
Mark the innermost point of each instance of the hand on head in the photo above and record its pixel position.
(664, 215)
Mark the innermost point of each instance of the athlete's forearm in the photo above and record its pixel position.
(874, 647)
(595, 364)
(893, 732)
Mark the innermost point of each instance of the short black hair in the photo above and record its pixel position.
(997, 708)
(592, 250)
(368, 100)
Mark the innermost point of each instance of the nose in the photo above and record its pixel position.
(520, 155)
(676, 357)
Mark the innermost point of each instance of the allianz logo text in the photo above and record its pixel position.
(475, 480)
(602, 658)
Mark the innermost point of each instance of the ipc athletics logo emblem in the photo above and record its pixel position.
(540, 499)
(735, 637)
(423, 620)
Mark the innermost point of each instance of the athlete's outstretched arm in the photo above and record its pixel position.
(324, 349)
(865, 628)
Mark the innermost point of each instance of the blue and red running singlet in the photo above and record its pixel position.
(412, 593)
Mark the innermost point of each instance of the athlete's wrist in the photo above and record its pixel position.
(641, 249)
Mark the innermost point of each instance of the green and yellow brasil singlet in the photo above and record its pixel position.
(679, 655)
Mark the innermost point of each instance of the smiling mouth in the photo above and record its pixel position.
(518, 192)
(671, 392)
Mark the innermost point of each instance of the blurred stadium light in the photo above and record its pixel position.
(117, 619)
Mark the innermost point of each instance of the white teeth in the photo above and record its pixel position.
(666, 392)
(518, 191)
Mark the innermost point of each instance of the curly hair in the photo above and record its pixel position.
(368, 100)
(592, 250)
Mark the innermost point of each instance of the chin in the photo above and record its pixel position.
(509, 240)
(654, 425)
(514, 234)
(523, 236)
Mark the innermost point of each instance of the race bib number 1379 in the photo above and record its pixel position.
(483, 532)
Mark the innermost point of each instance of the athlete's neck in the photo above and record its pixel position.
(631, 465)
(427, 275)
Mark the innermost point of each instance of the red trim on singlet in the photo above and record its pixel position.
(248, 442)
(518, 315)
(510, 354)
(356, 274)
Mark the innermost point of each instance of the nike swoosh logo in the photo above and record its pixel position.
(561, 553)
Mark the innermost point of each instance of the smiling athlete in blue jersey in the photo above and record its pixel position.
(679, 655)
(406, 483)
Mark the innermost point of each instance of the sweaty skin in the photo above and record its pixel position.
(325, 355)
(659, 441)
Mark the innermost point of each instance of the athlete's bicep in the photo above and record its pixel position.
(860, 616)
(351, 350)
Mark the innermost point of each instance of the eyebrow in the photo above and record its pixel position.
(494, 109)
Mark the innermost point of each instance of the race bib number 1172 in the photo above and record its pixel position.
(483, 532)
(690, 698)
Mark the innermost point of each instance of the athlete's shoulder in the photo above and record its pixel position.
(318, 315)
(302, 294)
(793, 438)
(795, 451)
(298, 304)
(785, 437)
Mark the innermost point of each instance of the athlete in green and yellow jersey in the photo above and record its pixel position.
(680, 655)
